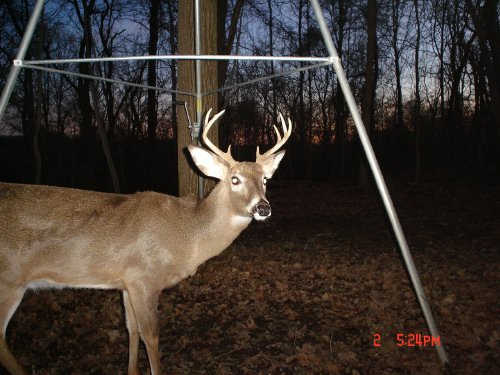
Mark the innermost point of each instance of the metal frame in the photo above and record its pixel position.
(333, 60)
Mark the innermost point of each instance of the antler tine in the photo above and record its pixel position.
(208, 124)
(287, 131)
(277, 133)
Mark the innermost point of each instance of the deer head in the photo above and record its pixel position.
(245, 182)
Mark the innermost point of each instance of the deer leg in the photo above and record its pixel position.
(133, 335)
(145, 306)
(9, 301)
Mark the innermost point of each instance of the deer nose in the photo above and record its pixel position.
(263, 209)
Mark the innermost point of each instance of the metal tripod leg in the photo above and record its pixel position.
(21, 53)
(379, 179)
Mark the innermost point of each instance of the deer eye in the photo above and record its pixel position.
(235, 180)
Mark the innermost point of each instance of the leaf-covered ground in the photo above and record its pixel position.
(307, 292)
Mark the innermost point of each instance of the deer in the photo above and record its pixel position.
(141, 244)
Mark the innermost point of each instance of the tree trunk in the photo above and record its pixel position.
(416, 110)
(459, 56)
(104, 140)
(370, 83)
(225, 44)
(486, 23)
(274, 101)
(441, 68)
(172, 39)
(339, 104)
(87, 131)
(37, 158)
(107, 69)
(397, 65)
(93, 92)
(152, 50)
(188, 180)
(301, 114)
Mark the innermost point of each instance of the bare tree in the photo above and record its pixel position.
(487, 26)
(460, 44)
(37, 124)
(87, 130)
(303, 124)
(154, 13)
(395, 20)
(441, 72)
(417, 105)
(340, 105)
(370, 80)
(225, 40)
(172, 42)
(187, 178)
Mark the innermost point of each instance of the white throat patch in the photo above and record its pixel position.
(238, 220)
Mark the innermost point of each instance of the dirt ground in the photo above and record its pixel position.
(320, 288)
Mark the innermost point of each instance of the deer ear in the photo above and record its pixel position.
(271, 163)
(210, 164)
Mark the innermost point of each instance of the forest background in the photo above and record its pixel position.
(425, 74)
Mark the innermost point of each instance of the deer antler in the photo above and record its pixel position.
(208, 124)
(280, 142)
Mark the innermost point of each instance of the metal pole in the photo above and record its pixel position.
(199, 103)
(280, 74)
(104, 79)
(379, 179)
(23, 47)
(180, 57)
(29, 65)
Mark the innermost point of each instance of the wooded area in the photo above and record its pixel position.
(309, 290)
(425, 74)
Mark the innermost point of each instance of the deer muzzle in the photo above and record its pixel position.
(262, 210)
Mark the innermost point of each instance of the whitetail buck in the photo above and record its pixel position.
(140, 243)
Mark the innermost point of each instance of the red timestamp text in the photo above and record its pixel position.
(410, 340)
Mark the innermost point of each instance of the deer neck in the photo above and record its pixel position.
(219, 224)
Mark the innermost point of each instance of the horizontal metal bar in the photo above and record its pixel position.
(75, 74)
(268, 77)
(97, 78)
(177, 57)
